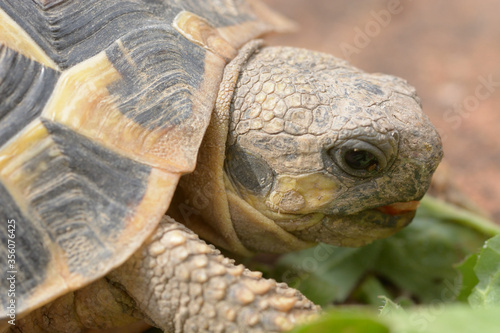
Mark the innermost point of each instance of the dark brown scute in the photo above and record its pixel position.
(161, 72)
(31, 255)
(25, 87)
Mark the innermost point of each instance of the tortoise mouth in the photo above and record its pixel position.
(353, 230)
(294, 222)
(399, 208)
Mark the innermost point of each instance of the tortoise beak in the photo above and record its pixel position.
(362, 228)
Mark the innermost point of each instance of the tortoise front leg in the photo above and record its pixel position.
(181, 284)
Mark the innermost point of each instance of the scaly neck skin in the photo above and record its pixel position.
(201, 202)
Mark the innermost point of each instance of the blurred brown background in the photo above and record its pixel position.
(449, 50)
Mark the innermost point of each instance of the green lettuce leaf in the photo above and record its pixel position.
(468, 277)
(487, 269)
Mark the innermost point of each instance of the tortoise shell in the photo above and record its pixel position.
(103, 106)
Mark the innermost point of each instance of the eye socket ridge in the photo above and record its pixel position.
(360, 158)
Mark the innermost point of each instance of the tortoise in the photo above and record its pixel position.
(138, 138)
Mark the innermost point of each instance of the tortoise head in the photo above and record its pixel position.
(327, 152)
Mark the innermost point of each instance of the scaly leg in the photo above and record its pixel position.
(181, 284)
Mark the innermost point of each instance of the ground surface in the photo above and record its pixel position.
(448, 50)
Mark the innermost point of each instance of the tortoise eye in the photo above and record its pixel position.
(361, 160)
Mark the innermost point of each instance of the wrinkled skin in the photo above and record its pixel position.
(318, 148)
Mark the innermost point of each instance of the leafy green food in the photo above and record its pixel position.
(346, 321)
(369, 291)
(441, 318)
(442, 210)
(326, 273)
(487, 269)
(432, 318)
(469, 277)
